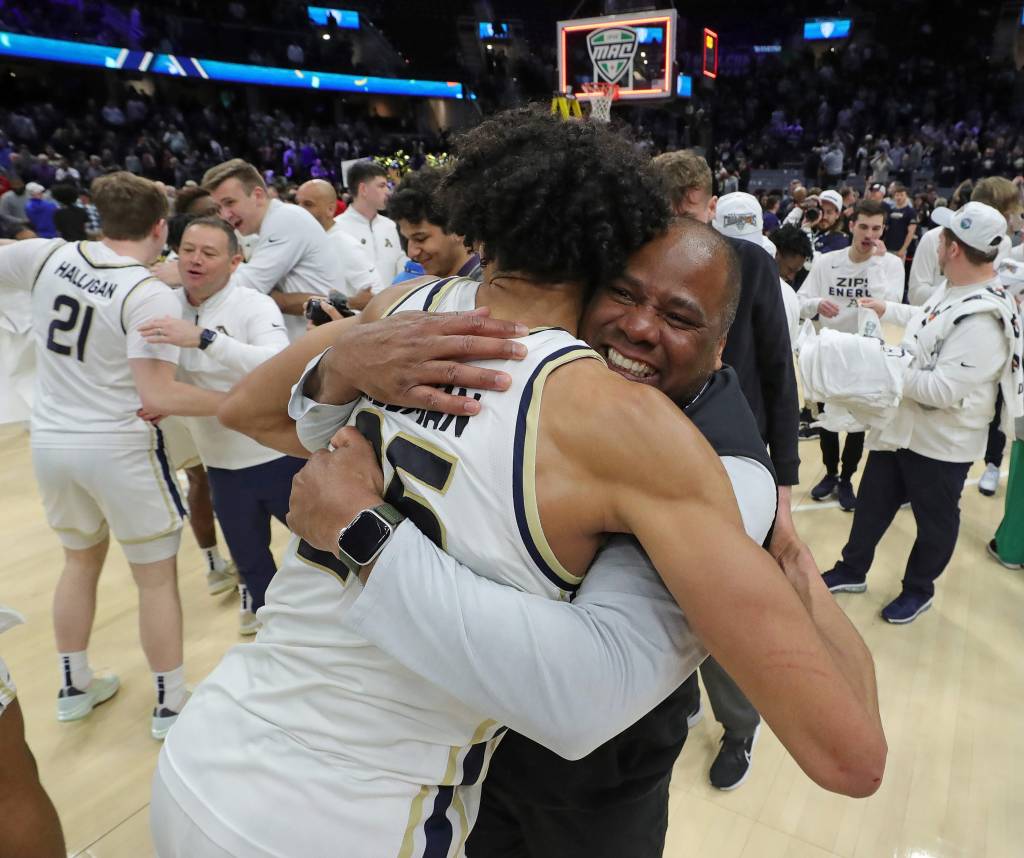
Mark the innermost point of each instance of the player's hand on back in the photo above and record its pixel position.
(407, 358)
(332, 488)
(175, 332)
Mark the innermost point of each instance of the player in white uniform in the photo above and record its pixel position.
(293, 260)
(339, 748)
(831, 293)
(100, 467)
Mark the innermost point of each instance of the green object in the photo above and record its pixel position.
(1010, 536)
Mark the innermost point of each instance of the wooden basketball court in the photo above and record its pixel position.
(951, 686)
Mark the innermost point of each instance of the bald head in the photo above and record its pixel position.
(320, 199)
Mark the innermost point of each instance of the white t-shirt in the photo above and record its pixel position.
(250, 330)
(837, 278)
(354, 261)
(380, 237)
(791, 304)
(292, 254)
(87, 305)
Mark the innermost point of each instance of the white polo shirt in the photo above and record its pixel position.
(354, 261)
(250, 330)
(380, 236)
(293, 253)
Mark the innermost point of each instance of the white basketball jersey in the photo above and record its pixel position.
(87, 302)
(330, 704)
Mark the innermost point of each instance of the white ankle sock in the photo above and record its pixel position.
(170, 689)
(214, 562)
(75, 670)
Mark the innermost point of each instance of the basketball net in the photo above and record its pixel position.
(602, 96)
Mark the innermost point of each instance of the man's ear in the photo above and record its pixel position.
(712, 208)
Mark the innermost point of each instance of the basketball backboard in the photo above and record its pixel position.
(636, 51)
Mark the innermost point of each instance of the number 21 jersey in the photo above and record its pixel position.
(87, 305)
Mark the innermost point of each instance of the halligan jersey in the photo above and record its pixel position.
(87, 305)
(311, 705)
(837, 278)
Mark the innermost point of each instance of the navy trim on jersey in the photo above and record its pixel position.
(437, 830)
(518, 453)
(473, 764)
(85, 256)
(438, 286)
(324, 559)
(165, 468)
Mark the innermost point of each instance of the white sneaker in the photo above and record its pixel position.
(989, 481)
(163, 720)
(73, 704)
(247, 622)
(221, 580)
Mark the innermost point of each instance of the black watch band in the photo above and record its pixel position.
(206, 336)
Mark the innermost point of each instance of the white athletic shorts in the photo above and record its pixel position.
(181, 449)
(133, 493)
(7, 690)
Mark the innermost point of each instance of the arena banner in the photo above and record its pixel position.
(105, 56)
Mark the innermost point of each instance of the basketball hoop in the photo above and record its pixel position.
(602, 95)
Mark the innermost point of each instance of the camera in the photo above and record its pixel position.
(317, 316)
(811, 215)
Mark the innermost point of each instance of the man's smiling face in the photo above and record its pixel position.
(661, 323)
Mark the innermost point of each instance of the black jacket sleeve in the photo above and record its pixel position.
(758, 349)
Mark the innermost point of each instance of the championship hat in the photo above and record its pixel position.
(832, 197)
(739, 215)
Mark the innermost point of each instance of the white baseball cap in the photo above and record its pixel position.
(976, 225)
(831, 197)
(34, 188)
(739, 215)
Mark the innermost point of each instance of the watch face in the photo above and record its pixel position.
(363, 538)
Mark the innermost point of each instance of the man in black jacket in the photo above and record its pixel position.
(758, 349)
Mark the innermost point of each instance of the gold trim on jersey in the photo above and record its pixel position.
(531, 508)
(150, 538)
(85, 256)
(42, 265)
(128, 295)
(319, 567)
(443, 292)
(415, 815)
(176, 519)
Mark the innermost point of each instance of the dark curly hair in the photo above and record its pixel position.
(792, 239)
(416, 199)
(559, 201)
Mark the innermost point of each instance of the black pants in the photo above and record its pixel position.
(245, 500)
(933, 489)
(996, 436)
(510, 827)
(853, 449)
(731, 707)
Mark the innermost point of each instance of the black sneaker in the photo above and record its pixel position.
(838, 581)
(847, 499)
(993, 551)
(808, 432)
(732, 765)
(906, 608)
(825, 488)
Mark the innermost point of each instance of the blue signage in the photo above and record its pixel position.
(58, 50)
(344, 18)
(827, 28)
(684, 86)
